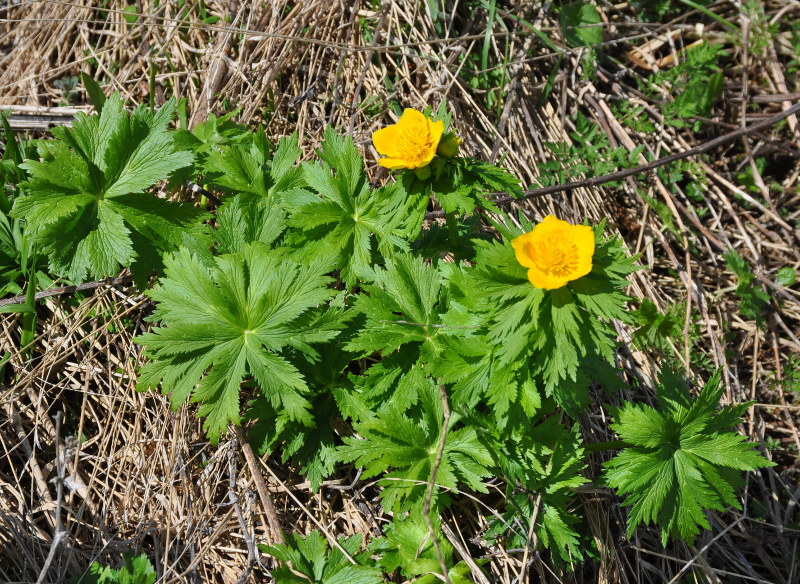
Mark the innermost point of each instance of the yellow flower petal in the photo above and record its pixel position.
(584, 240)
(412, 117)
(392, 163)
(546, 281)
(385, 140)
(521, 251)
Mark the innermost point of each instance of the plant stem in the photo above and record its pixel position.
(610, 445)
(28, 333)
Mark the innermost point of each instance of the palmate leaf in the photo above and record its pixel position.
(312, 561)
(347, 215)
(409, 446)
(86, 206)
(408, 545)
(683, 458)
(227, 318)
(407, 290)
(472, 367)
(401, 306)
(541, 461)
(311, 447)
(247, 218)
(136, 570)
(248, 167)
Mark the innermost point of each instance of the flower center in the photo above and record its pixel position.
(557, 256)
(415, 143)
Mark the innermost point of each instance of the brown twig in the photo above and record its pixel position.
(276, 535)
(70, 289)
(620, 174)
(426, 509)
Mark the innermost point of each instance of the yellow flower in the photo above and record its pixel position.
(410, 143)
(555, 252)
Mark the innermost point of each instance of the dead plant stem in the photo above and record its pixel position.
(426, 509)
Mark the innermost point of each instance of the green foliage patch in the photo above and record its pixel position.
(345, 329)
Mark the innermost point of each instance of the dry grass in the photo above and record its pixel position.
(144, 477)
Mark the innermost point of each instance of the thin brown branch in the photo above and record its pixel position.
(621, 174)
(70, 289)
(426, 509)
(276, 535)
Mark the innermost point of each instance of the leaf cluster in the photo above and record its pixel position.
(86, 203)
(136, 570)
(753, 300)
(682, 457)
(319, 308)
(407, 547)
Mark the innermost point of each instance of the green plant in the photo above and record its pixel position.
(312, 561)
(589, 155)
(85, 205)
(753, 299)
(656, 329)
(136, 570)
(409, 547)
(680, 458)
(793, 66)
(695, 84)
(326, 313)
(231, 317)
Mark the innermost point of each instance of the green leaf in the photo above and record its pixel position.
(656, 330)
(310, 447)
(682, 458)
(233, 319)
(408, 545)
(400, 306)
(542, 461)
(86, 207)
(347, 218)
(136, 570)
(239, 167)
(311, 561)
(753, 299)
(248, 218)
(786, 276)
(576, 22)
(96, 95)
(409, 446)
(554, 332)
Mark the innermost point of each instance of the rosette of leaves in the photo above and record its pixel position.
(562, 338)
(237, 317)
(86, 205)
(681, 457)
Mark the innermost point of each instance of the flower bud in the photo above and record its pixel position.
(423, 172)
(448, 146)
